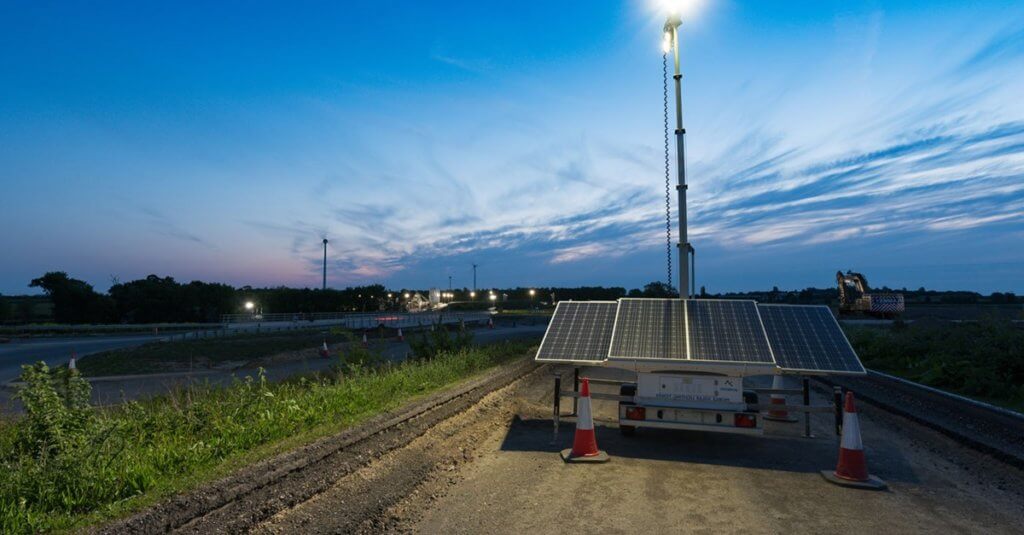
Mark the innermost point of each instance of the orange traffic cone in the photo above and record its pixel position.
(584, 444)
(365, 342)
(779, 415)
(400, 337)
(71, 363)
(852, 469)
(324, 352)
(490, 323)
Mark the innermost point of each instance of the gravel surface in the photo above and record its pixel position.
(670, 481)
(993, 432)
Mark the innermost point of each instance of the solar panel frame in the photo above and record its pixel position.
(672, 347)
(729, 331)
(576, 330)
(789, 363)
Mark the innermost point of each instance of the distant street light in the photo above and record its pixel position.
(472, 295)
(325, 265)
(249, 305)
(532, 293)
(407, 295)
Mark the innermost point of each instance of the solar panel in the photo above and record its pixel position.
(808, 338)
(579, 331)
(726, 330)
(649, 329)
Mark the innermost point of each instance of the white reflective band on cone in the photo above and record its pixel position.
(584, 421)
(851, 432)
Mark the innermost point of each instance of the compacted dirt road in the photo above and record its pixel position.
(493, 469)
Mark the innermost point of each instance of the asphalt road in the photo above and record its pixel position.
(112, 390)
(57, 351)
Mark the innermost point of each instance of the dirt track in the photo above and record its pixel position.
(493, 469)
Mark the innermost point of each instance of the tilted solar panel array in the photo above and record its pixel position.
(726, 330)
(793, 337)
(578, 332)
(808, 338)
(649, 329)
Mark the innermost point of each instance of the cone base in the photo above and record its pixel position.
(785, 419)
(872, 483)
(601, 457)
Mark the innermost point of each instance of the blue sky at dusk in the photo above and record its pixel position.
(222, 141)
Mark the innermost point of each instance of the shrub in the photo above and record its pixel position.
(983, 359)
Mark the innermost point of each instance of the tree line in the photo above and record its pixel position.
(156, 299)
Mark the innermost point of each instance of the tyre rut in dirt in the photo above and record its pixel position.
(242, 500)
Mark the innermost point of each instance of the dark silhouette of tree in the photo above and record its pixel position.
(74, 301)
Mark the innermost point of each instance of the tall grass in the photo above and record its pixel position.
(65, 464)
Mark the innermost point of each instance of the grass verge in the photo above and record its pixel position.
(185, 355)
(66, 465)
(983, 360)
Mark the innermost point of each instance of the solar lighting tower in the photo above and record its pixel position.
(671, 43)
(325, 264)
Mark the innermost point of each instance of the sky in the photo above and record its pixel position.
(223, 141)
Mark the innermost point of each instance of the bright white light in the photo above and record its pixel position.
(493, 297)
(533, 293)
(472, 294)
(406, 295)
(680, 8)
(249, 305)
(666, 43)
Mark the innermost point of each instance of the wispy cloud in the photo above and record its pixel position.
(161, 224)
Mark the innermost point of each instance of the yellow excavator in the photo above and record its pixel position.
(856, 299)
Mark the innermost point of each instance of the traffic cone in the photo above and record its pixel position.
(852, 469)
(324, 352)
(584, 443)
(490, 323)
(779, 415)
(365, 342)
(400, 337)
(71, 363)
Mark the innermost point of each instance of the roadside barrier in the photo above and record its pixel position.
(584, 443)
(852, 468)
(779, 415)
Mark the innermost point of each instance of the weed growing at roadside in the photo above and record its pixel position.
(64, 463)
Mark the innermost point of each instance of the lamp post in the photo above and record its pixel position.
(325, 265)
(532, 293)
